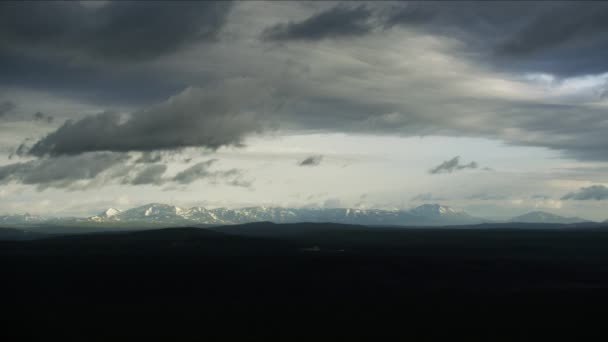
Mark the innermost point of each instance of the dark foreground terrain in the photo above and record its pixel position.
(308, 281)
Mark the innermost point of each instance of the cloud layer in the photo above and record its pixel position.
(118, 30)
(337, 22)
(377, 84)
(164, 82)
(60, 172)
(208, 118)
(594, 192)
(5, 107)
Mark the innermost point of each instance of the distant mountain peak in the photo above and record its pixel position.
(110, 212)
(21, 219)
(545, 217)
(434, 210)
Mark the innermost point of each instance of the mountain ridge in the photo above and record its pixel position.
(545, 217)
(426, 214)
(170, 215)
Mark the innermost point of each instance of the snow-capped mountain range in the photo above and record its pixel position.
(21, 219)
(169, 215)
(428, 214)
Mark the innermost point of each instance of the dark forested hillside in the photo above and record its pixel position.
(306, 280)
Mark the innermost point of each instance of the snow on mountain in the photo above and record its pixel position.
(434, 210)
(429, 214)
(111, 212)
(153, 212)
(165, 214)
(21, 219)
(544, 217)
(435, 214)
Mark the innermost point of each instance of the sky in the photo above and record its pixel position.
(496, 108)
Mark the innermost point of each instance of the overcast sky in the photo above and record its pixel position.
(497, 108)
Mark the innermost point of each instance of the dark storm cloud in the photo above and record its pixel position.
(337, 22)
(311, 161)
(209, 118)
(359, 94)
(594, 192)
(562, 38)
(62, 171)
(96, 84)
(565, 38)
(6, 107)
(120, 30)
(452, 165)
(576, 131)
(152, 174)
(97, 54)
(461, 18)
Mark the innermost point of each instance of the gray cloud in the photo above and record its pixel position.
(209, 118)
(21, 150)
(563, 38)
(594, 192)
(339, 21)
(120, 30)
(195, 172)
(427, 197)
(39, 116)
(311, 161)
(60, 172)
(107, 55)
(238, 182)
(487, 197)
(6, 107)
(353, 88)
(151, 174)
(93, 169)
(333, 203)
(149, 157)
(233, 177)
(452, 165)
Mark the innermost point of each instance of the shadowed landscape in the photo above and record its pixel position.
(303, 170)
(306, 279)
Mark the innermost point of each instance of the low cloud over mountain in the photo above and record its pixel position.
(594, 192)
